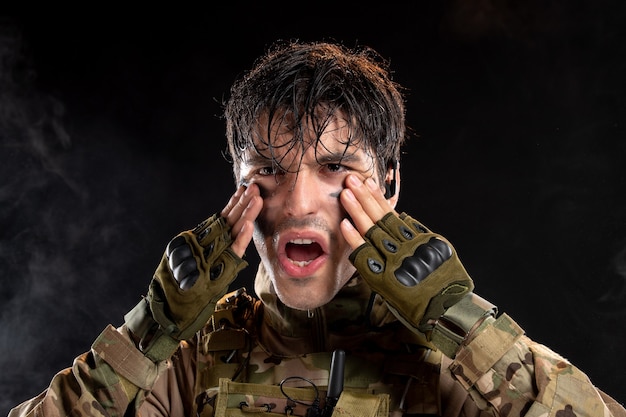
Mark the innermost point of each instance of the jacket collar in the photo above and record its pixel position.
(353, 306)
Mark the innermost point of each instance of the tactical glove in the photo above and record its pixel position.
(416, 271)
(195, 272)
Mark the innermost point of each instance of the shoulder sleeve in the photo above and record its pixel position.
(101, 382)
(520, 377)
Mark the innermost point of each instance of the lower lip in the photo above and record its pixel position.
(296, 271)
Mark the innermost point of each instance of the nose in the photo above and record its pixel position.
(302, 195)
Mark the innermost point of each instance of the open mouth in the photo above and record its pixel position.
(301, 252)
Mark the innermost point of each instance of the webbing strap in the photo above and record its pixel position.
(491, 343)
(454, 325)
(125, 359)
(361, 404)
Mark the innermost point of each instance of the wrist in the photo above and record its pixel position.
(459, 322)
(148, 335)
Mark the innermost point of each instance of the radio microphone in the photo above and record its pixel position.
(335, 381)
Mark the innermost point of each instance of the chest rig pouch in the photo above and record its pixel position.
(248, 400)
(239, 380)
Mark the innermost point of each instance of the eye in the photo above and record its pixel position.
(270, 170)
(265, 171)
(335, 167)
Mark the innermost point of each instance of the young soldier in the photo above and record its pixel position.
(360, 311)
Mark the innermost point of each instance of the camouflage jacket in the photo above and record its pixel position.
(258, 356)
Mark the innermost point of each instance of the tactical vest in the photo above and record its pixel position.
(238, 376)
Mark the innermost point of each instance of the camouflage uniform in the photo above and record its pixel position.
(233, 368)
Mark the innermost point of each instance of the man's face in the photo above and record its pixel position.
(297, 233)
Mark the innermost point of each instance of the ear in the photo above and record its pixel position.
(392, 182)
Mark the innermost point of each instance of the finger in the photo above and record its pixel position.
(243, 238)
(238, 203)
(249, 214)
(379, 196)
(360, 218)
(233, 201)
(364, 202)
(352, 236)
(369, 195)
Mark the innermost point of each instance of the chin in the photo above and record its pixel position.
(304, 299)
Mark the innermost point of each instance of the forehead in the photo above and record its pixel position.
(285, 142)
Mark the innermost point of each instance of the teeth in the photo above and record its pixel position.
(300, 263)
(301, 241)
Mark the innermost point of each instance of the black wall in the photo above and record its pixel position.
(111, 143)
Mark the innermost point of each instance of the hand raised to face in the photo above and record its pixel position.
(365, 203)
(240, 212)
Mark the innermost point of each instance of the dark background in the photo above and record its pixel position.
(111, 143)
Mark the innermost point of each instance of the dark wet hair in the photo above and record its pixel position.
(310, 82)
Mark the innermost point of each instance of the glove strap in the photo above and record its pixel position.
(458, 321)
(153, 342)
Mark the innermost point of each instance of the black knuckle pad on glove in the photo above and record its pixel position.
(187, 282)
(186, 268)
(175, 243)
(427, 257)
(182, 262)
(179, 255)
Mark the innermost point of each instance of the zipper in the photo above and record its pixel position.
(319, 328)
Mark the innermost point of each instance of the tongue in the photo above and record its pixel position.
(303, 252)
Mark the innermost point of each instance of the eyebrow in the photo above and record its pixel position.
(257, 159)
(339, 157)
